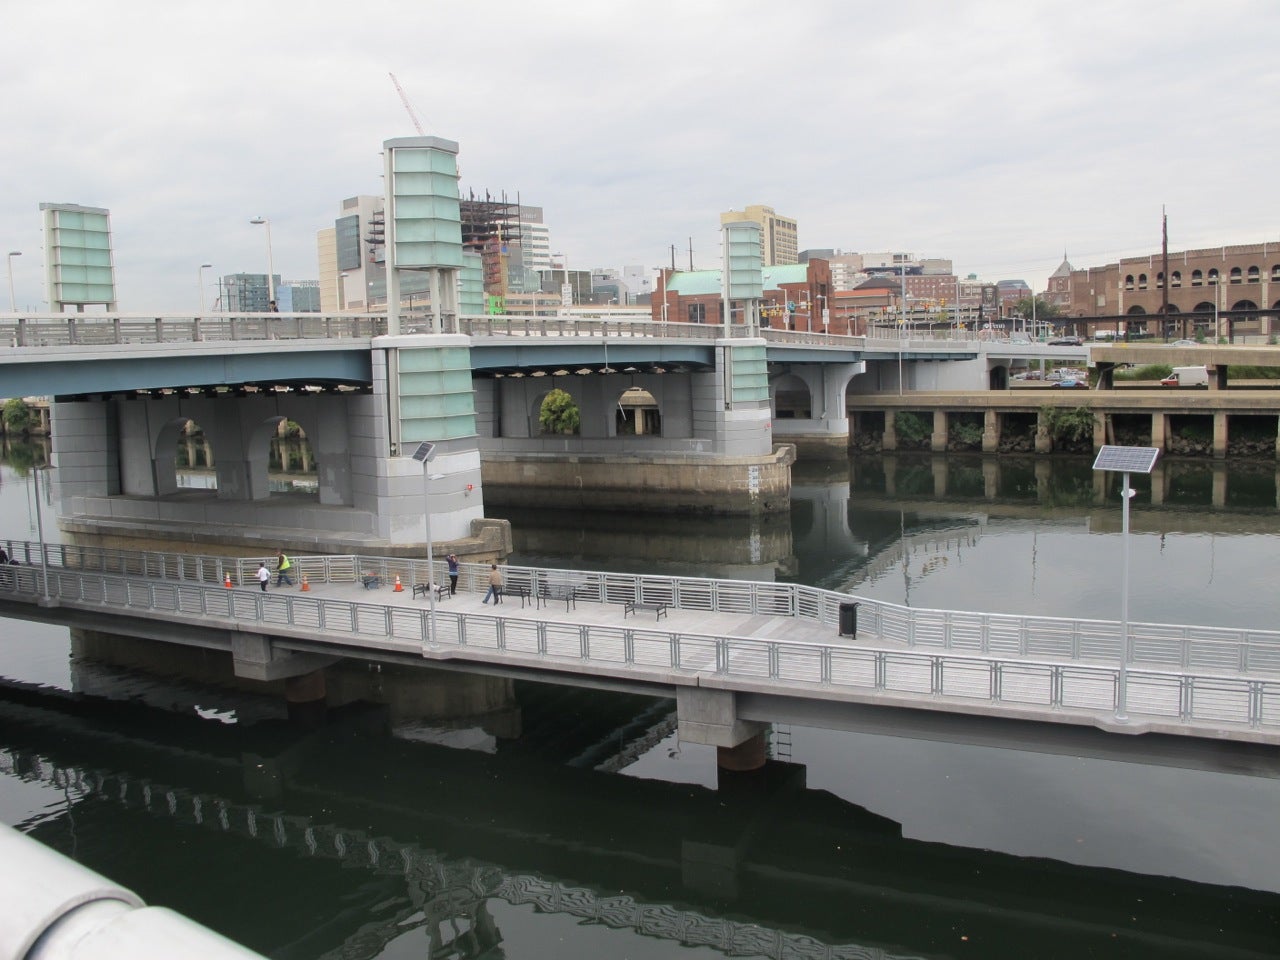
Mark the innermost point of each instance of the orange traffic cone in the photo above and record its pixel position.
(305, 586)
(228, 581)
(398, 589)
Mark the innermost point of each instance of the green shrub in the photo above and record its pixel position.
(912, 428)
(19, 417)
(1069, 426)
(1148, 371)
(559, 413)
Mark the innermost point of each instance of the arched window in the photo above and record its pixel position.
(1236, 275)
(1275, 272)
(1160, 280)
(1255, 275)
(1142, 281)
(1128, 282)
(1176, 279)
(1213, 276)
(1197, 278)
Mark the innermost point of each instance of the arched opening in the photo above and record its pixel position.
(1213, 276)
(791, 399)
(290, 459)
(1237, 276)
(1142, 281)
(1197, 278)
(637, 414)
(998, 378)
(1128, 281)
(1255, 275)
(1135, 311)
(183, 458)
(1176, 279)
(1275, 272)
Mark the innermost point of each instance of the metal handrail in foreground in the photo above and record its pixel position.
(1203, 704)
(1011, 636)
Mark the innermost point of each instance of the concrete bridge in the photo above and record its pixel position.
(733, 654)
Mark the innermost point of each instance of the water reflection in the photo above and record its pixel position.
(296, 860)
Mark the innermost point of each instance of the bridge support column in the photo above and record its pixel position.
(990, 479)
(889, 440)
(1159, 482)
(938, 441)
(1220, 429)
(254, 657)
(1044, 441)
(991, 422)
(1159, 430)
(711, 717)
(1101, 422)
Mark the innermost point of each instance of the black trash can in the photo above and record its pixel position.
(848, 619)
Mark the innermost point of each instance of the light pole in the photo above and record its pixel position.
(342, 289)
(44, 559)
(13, 307)
(271, 268)
(424, 454)
(200, 283)
(1125, 460)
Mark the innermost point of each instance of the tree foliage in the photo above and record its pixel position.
(18, 416)
(559, 413)
(1043, 309)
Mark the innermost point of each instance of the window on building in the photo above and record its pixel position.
(1275, 272)
(1175, 279)
(1142, 281)
(1255, 275)
(1213, 276)
(1160, 281)
(697, 313)
(1237, 276)
(1197, 278)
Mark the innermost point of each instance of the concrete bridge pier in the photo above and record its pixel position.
(710, 717)
(1220, 431)
(938, 439)
(1159, 430)
(824, 433)
(992, 422)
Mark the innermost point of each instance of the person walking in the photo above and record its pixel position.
(283, 566)
(263, 575)
(453, 574)
(495, 585)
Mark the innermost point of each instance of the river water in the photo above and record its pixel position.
(594, 833)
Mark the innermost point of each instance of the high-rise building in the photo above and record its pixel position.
(779, 240)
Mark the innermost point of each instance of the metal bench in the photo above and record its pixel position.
(520, 590)
(631, 606)
(568, 592)
(442, 590)
(371, 581)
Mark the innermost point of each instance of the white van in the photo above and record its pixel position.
(1187, 377)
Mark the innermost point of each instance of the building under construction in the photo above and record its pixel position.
(491, 228)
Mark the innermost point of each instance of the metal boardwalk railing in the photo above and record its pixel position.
(774, 638)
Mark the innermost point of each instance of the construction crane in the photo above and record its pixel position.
(405, 100)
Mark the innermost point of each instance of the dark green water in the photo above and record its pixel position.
(593, 833)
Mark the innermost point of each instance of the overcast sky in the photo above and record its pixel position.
(996, 134)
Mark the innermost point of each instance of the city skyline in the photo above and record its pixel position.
(999, 138)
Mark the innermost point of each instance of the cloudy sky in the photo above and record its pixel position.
(998, 134)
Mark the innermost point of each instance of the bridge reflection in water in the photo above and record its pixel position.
(347, 842)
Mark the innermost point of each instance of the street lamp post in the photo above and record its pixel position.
(13, 307)
(1125, 460)
(424, 454)
(44, 559)
(271, 268)
(200, 283)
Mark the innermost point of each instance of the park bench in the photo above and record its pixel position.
(518, 588)
(631, 606)
(568, 592)
(441, 590)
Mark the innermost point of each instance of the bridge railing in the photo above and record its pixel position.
(1195, 701)
(64, 330)
(1011, 636)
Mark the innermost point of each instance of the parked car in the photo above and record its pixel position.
(1184, 343)
(1066, 342)
(1072, 384)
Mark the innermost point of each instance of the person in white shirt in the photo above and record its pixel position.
(264, 576)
